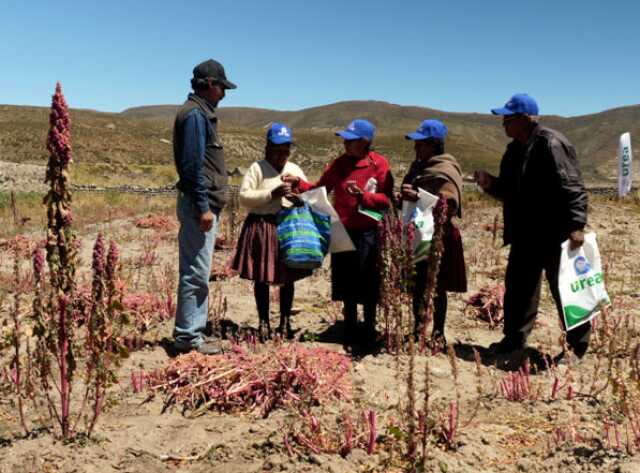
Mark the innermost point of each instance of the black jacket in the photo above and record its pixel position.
(541, 188)
(204, 178)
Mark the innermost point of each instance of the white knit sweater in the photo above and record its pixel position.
(261, 178)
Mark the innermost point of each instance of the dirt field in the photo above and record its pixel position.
(538, 434)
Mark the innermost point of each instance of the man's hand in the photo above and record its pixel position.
(483, 178)
(576, 239)
(281, 190)
(409, 193)
(290, 179)
(206, 221)
(354, 189)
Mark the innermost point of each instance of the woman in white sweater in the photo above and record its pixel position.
(257, 257)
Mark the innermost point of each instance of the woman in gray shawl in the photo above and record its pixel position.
(437, 173)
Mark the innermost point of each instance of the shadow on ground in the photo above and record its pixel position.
(538, 361)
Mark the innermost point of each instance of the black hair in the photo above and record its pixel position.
(199, 84)
(269, 145)
(438, 147)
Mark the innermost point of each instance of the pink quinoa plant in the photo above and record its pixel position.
(61, 255)
(245, 380)
(488, 304)
(433, 262)
(60, 238)
(67, 326)
(16, 336)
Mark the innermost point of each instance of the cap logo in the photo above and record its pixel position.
(283, 131)
(351, 127)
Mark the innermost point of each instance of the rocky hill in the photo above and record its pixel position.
(142, 135)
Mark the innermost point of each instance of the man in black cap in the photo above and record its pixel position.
(545, 203)
(199, 160)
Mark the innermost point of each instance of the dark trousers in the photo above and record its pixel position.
(355, 280)
(351, 319)
(522, 295)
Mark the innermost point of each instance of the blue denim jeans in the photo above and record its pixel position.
(195, 254)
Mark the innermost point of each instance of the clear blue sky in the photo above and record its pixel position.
(574, 56)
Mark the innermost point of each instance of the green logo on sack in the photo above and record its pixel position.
(575, 314)
(584, 283)
(626, 161)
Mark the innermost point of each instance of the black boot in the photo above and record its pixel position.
(261, 293)
(438, 342)
(286, 301)
(284, 329)
(264, 331)
(370, 335)
(350, 312)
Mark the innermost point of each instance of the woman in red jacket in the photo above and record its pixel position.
(360, 180)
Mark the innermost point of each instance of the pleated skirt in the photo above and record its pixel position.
(452, 276)
(257, 256)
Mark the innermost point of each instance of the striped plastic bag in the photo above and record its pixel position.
(303, 236)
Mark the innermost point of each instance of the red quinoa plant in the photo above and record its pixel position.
(64, 329)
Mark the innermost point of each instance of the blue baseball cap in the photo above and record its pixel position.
(279, 133)
(358, 129)
(518, 104)
(433, 129)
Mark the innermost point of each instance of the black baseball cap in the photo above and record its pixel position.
(214, 70)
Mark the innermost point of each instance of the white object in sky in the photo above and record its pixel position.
(624, 164)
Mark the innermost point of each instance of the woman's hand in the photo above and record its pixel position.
(281, 191)
(408, 193)
(353, 189)
(294, 198)
(290, 179)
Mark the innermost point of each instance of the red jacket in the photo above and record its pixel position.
(345, 169)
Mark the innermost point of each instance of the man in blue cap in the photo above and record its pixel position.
(544, 204)
(437, 173)
(202, 172)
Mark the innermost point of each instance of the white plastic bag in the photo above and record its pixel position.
(318, 201)
(421, 213)
(581, 282)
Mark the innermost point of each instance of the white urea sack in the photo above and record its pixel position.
(581, 282)
(421, 213)
(318, 201)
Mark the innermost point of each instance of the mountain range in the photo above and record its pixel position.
(142, 135)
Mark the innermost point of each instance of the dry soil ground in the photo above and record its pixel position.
(503, 436)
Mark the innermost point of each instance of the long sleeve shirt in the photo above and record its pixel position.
(190, 159)
(258, 183)
(347, 168)
(199, 155)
